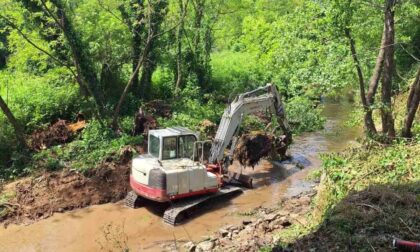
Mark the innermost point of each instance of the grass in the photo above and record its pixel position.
(367, 197)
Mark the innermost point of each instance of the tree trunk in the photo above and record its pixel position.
(386, 111)
(198, 58)
(373, 87)
(179, 76)
(137, 32)
(149, 66)
(369, 127)
(82, 61)
(156, 17)
(130, 82)
(412, 106)
(15, 124)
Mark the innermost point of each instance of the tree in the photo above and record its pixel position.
(135, 19)
(11, 118)
(388, 70)
(413, 101)
(157, 12)
(179, 34)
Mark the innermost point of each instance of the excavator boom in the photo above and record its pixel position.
(262, 98)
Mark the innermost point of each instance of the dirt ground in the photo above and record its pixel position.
(40, 197)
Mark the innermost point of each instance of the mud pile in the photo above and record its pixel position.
(143, 123)
(38, 198)
(57, 133)
(252, 147)
(158, 108)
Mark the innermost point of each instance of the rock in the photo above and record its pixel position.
(223, 232)
(294, 215)
(246, 222)
(283, 212)
(270, 217)
(205, 246)
(228, 227)
(190, 246)
(305, 200)
(284, 222)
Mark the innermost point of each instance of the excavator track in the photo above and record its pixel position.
(132, 200)
(178, 211)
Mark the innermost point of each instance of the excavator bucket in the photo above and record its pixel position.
(239, 179)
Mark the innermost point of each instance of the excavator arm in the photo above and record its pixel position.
(262, 98)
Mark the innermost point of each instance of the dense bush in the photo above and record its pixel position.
(94, 145)
(303, 115)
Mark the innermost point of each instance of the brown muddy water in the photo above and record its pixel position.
(113, 227)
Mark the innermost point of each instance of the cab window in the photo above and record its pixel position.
(169, 148)
(154, 146)
(186, 146)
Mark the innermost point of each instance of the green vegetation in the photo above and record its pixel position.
(95, 143)
(104, 59)
(368, 196)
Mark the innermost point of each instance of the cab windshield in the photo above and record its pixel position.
(186, 146)
(169, 148)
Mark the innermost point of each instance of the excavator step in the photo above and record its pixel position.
(132, 200)
(178, 211)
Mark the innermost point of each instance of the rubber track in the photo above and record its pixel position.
(132, 199)
(177, 209)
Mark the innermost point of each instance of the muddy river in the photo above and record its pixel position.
(113, 226)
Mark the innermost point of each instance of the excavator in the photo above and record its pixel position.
(186, 172)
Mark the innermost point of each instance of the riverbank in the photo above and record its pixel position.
(144, 229)
(367, 197)
(32, 199)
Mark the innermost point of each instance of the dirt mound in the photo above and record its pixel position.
(252, 147)
(57, 133)
(143, 123)
(158, 108)
(40, 197)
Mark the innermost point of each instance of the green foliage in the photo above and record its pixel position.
(366, 190)
(303, 116)
(40, 100)
(95, 144)
(296, 44)
(235, 72)
(192, 109)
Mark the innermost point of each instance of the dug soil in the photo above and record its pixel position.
(40, 197)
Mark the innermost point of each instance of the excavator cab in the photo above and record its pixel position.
(172, 143)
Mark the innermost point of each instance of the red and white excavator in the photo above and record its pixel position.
(178, 169)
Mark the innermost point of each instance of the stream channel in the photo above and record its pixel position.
(142, 229)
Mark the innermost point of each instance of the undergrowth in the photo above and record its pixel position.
(368, 196)
(94, 145)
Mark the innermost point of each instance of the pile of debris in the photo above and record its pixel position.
(252, 147)
(143, 123)
(58, 133)
(40, 197)
(158, 108)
